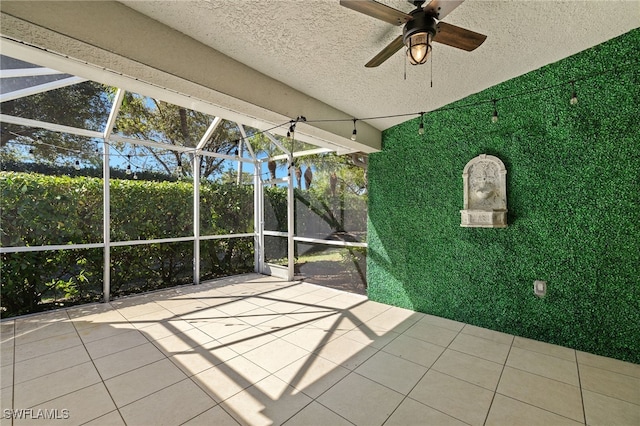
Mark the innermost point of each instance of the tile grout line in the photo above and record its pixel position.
(13, 373)
(425, 373)
(584, 410)
(97, 371)
(486, 417)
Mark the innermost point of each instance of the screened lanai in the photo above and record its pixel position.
(109, 192)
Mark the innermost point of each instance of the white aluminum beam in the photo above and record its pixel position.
(49, 126)
(17, 94)
(24, 249)
(207, 135)
(330, 242)
(27, 72)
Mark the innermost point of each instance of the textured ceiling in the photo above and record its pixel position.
(320, 47)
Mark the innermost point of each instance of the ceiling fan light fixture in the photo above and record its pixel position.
(418, 47)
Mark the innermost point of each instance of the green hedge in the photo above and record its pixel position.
(573, 198)
(42, 210)
(51, 210)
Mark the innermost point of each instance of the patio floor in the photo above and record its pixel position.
(257, 350)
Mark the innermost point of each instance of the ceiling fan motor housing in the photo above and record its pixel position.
(421, 22)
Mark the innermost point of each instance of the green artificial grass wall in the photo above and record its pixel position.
(573, 194)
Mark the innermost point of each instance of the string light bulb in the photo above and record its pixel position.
(77, 165)
(494, 117)
(574, 94)
(179, 168)
(128, 170)
(354, 134)
(135, 175)
(421, 127)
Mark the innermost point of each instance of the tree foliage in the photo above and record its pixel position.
(84, 105)
(154, 120)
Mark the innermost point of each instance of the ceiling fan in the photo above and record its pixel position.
(421, 27)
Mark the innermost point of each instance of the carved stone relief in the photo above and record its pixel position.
(485, 193)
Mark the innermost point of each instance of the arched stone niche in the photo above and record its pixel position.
(485, 193)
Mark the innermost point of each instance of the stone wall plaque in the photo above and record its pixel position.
(485, 193)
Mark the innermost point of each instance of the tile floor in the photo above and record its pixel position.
(256, 350)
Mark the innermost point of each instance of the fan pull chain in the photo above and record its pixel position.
(431, 76)
(405, 67)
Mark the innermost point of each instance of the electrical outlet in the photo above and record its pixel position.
(539, 288)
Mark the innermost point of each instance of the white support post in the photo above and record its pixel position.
(290, 221)
(106, 209)
(196, 219)
(258, 220)
(106, 227)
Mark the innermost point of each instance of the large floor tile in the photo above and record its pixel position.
(129, 387)
(602, 410)
(316, 414)
(112, 418)
(257, 316)
(443, 322)
(6, 397)
(454, 397)
(312, 375)
(46, 346)
(414, 413)
(611, 384)
(275, 355)
(494, 336)
(170, 406)
(394, 319)
(49, 363)
(227, 379)
(544, 348)
(269, 402)
(200, 358)
(392, 371)
(117, 343)
(431, 333)
(6, 354)
(127, 360)
(54, 385)
(215, 416)
(346, 352)
(104, 330)
(609, 364)
(138, 309)
(469, 368)
(374, 338)
(482, 348)
(310, 338)
(414, 350)
(161, 329)
(181, 342)
(7, 329)
(76, 408)
(361, 401)
(544, 365)
(245, 340)
(35, 332)
(548, 394)
(507, 412)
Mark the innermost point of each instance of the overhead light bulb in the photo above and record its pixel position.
(418, 48)
(574, 95)
(355, 132)
(494, 117)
